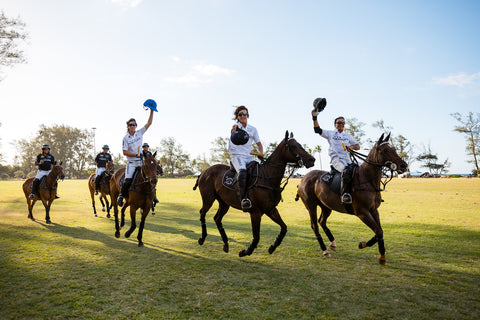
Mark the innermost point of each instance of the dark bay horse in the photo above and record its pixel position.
(47, 191)
(265, 193)
(104, 189)
(366, 195)
(140, 195)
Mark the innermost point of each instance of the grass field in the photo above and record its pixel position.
(76, 269)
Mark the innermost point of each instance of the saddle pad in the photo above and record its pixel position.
(333, 180)
(229, 179)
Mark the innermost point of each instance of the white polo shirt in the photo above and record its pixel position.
(132, 143)
(335, 140)
(246, 148)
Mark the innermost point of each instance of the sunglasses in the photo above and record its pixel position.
(132, 124)
(340, 122)
(241, 114)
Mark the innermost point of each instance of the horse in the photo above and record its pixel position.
(104, 188)
(265, 194)
(140, 195)
(366, 195)
(47, 191)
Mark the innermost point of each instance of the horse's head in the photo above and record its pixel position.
(384, 153)
(149, 169)
(58, 171)
(109, 168)
(296, 153)
(159, 169)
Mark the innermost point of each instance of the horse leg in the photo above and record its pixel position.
(115, 215)
(142, 225)
(207, 202)
(93, 202)
(256, 218)
(372, 220)
(108, 207)
(103, 203)
(222, 210)
(133, 223)
(312, 210)
(122, 220)
(30, 204)
(275, 216)
(47, 211)
(323, 223)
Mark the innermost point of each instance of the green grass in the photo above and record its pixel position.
(76, 268)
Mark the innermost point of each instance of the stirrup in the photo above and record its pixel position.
(96, 192)
(32, 196)
(346, 198)
(246, 204)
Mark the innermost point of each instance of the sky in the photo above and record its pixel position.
(92, 64)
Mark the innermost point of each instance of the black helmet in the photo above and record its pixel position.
(145, 145)
(46, 146)
(319, 104)
(239, 137)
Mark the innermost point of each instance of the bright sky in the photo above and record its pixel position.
(92, 63)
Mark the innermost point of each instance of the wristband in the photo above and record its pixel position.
(314, 118)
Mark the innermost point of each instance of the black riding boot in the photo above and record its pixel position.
(243, 191)
(35, 187)
(124, 193)
(345, 185)
(98, 179)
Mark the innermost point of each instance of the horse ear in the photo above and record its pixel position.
(380, 140)
(155, 154)
(60, 163)
(291, 135)
(387, 138)
(286, 135)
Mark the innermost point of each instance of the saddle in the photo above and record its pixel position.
(229, 179)
(333, 179)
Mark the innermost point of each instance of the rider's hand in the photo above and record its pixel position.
(234, 128)
(41, 161)
(315, 113)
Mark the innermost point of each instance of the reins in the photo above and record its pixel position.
(385, 167)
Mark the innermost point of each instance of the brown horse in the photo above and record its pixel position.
(366, 195)
(104, 188)
(47, 191)
(140, 195)
(265, 194)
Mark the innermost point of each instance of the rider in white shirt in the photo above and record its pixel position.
(240, 153)
(339, 158)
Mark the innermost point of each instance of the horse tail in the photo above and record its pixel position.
(196, 183)
(297, 196)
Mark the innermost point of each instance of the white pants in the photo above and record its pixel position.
(339, 164)
(240, 162)
(100, 171)
(131, 165)
(42, 173)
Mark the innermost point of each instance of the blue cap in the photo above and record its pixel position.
(150, 103)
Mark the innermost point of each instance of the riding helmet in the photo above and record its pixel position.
(320, 104)
(46, 146)
(239, 137)
(105, 147)
(150, 103)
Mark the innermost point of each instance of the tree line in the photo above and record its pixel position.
(73, 146)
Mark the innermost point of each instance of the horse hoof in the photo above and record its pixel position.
(103, 209)
(362, 245)
(109, 216)
(242, 253)
(326, 254)
(201, 241)
(127, 234)
(140, 244)
(117, 234)
(271, 249)
(48, 221)
(95, 215)
(381, 259)
(153, 213)
(225, 248)
(333, 246)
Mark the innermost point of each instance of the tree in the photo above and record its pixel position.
(11, 34)
(430, 162)
(173, 159)
(470, 127)
(354, 127)
(219, 151)
(200, 163)
(70, 145)
(1, 155)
